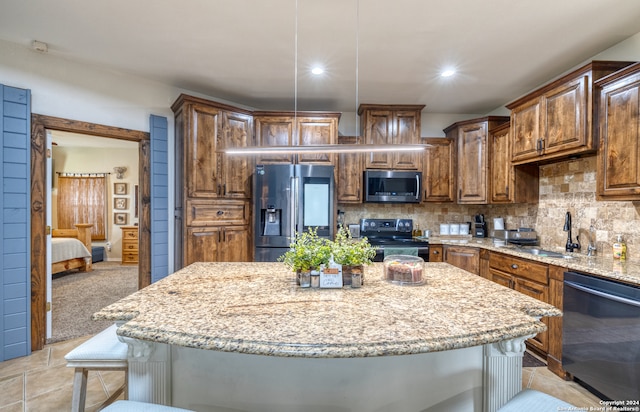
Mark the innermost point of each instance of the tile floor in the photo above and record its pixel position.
(42, 382)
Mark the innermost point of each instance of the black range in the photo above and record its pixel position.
(396, 234)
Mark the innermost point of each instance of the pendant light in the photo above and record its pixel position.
(324, 148)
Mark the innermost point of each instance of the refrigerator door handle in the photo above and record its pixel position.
(294, 206)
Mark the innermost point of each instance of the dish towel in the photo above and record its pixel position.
(411, 251)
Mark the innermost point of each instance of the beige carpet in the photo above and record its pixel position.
(77, 295)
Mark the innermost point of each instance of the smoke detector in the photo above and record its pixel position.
(39, 46)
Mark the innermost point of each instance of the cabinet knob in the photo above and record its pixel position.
(220, 212)
(514, 266)
(436, 252)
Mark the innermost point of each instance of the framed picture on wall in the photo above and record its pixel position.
(120, 203)
(120, 218)
(119, 188)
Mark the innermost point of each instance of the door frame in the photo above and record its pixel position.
(39, 126)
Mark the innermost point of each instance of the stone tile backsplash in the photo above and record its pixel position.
(565, 186)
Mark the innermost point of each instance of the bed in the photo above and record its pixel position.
(71, 249)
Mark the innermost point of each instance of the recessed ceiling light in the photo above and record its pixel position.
(317, 70)
(448, 73)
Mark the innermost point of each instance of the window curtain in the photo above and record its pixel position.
(83, 200)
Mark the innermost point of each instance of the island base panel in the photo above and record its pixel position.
(221, 381)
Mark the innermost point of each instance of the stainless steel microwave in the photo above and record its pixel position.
(392, 186)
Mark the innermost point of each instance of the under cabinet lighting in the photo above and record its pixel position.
(330, 148)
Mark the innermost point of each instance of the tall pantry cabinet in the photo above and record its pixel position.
(213, 190)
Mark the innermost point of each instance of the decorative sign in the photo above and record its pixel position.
(331, 277)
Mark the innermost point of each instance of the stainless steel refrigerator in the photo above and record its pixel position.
(289, 199)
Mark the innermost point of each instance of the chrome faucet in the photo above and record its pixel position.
(567, 228)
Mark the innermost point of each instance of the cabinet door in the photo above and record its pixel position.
(315, 131)
(501, 278)
(235, 245)
(237, 170)
(501, 168)
(378, 129)
(540, 292)
(619, 153)
(405, 131)
(466, 258)
(202, 244)
(438, 172)
(564, 116)
(203, 168)
(349, 187)
(274, 131)
(525, 131)
(435, 253)
(472, 163)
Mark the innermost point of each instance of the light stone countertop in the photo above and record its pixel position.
(603, 266)
(256, 308)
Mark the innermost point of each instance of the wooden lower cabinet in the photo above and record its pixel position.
(529, 278)
(435, 253)
(218, 244)
(217, 231)
(129, 245)
(466, 258)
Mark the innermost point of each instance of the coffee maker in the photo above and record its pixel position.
(480, 226)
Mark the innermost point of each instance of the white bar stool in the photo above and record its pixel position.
(102, 352)
(132, 406)
(530, 400)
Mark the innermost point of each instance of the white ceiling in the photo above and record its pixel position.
(244, 51)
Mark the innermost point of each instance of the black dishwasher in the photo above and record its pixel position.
(601, 335)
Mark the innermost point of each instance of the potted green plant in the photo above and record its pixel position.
(307, 252)
(352, 254)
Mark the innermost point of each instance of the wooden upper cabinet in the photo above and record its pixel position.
(237, 131)
(349, 186)
(203, 130)
(618, 168)
(274, 130)
(387, 125)
(473, 168)
(438, 170)
(508, 183)
(317, 131)
(202, 161)
(556, 120)
(296, 129)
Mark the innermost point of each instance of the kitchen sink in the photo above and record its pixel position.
(545, 253)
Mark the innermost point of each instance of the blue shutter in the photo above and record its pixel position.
(159, 199)
(15, 223)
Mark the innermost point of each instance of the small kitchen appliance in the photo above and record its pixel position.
(394, 235)
(479, 226)
(392, 186)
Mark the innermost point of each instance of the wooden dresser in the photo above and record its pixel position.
(129, 244)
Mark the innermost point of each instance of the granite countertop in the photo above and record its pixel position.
(604, 266)
(256, 308)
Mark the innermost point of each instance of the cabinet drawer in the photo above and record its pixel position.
(217, 213)
(129, 247)
(527, 269)
(131, 234)
(130, 257)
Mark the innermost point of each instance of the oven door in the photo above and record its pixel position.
(423, 252)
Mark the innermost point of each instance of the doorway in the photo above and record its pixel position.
(39, 126)
(84, 172)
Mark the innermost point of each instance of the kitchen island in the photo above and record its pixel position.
(244, 337)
